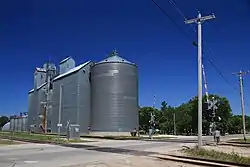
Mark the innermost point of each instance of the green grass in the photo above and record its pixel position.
(74, 141)
(37, 137)
(113, 137)
(241, 141)
(126, 137)
(216, 155)
(7, 142)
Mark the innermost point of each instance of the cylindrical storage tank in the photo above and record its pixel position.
(19, 121)
(15, 124)
(25, 122)
(11, 124)
(22, 122)
(114, 97)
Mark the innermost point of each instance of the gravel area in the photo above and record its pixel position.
(136, 161)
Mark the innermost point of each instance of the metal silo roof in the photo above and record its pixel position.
(73, 70)
(64, 60)
(114, 58)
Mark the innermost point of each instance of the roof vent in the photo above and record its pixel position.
(113, 53)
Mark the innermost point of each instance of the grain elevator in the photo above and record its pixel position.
(102, 97)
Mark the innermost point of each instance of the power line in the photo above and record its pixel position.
(210, 61)
(209, 48)
(171, 19)
(188, 36)
(220, 73)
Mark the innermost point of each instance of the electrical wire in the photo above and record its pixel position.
(188, 36)
(236, 90)
(172, 20)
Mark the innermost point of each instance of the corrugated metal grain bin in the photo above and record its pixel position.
(35, 108)
(114, 96)
(12, 124)
(75, 106)
(30, 109)
(15, 124)
(23, 123)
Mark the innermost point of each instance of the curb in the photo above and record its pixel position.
(235, 144)
(207, 160)
(238, 142)
(191, 161)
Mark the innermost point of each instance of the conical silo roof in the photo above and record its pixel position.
(114, 58)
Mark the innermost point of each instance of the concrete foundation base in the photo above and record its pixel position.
(110, 134)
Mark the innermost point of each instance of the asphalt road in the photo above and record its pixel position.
(44, 155)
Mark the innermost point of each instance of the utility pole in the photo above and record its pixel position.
(240, 74)
(152, 121)
(50, 72)
(199, 20)
(174, 124)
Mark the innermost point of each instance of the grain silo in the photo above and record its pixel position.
(73, 88)
(36, 108)
(114, 96)
(35, 97)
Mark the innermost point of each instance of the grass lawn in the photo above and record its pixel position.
(37, 137)
(7, 142)
(216, 155)
(241, 140)
(127, 137)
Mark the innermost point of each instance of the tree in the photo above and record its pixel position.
(235, 124)
(247, 118)
(224, 111)
(3, 120)
(164, 106)
(183, 119)
(186, 117)
(144, 117)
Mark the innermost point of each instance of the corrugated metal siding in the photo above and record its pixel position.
(18, 124)
(67, 65)
(70, 103)
(114, 97)
(31, 109)
(84, 99)
(40, 78)
(12, 125)
(35, 108)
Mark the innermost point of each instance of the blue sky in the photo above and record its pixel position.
(32, 31)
